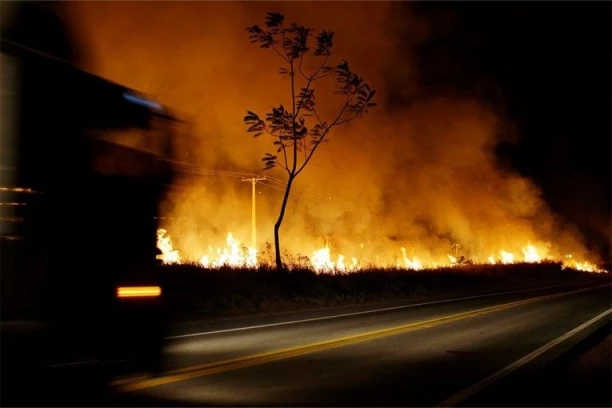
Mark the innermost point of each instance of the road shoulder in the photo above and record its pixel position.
(582, 376)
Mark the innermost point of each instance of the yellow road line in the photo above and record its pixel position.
(275, 355)
(128, 380)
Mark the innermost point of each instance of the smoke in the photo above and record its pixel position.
(420, 174)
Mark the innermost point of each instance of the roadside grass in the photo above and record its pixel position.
(194, 292)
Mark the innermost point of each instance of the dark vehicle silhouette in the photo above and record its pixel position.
(84, 163)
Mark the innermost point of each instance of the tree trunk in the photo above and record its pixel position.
(279, 261)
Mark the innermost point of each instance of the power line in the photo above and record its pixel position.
(297, 193)
(227, 173)
(299, 189)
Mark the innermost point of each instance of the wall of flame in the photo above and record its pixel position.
(421, 176)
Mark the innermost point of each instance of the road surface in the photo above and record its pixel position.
(582, 377)
(418, 355)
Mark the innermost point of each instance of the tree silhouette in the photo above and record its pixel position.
(299, 130)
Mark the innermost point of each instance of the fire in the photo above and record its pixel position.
(581, 266)
(506, 257)
(168, 254)
(436, 181)
(322, 262)
(410, 263)
(236, 255)
(531, 254)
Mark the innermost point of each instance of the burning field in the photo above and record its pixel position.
(418, 184)
(234, 254)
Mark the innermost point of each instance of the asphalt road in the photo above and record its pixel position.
(582, 377)
(419, 355)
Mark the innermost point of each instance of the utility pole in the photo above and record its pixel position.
(253, 181)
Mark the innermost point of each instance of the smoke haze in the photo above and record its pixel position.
(420, 175)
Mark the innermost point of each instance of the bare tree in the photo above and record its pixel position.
(299, 130)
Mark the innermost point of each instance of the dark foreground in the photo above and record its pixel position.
(419, 351)
(419, 365)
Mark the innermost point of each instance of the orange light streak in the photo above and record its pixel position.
(138, 291)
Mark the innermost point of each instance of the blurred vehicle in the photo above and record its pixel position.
(84, 163)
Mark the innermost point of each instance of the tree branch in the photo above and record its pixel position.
(310, 80)
(317, 116)
(324, 75)
(314, 75)
(281, 165)
(284, 154)
(268, 132)
(300, 67)
(289, 60)
(347, 120)
(302, 101)
(279, 54)
(334, 123)
(292, 173)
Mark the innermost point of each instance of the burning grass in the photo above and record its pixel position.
(237, 255)
(192, 291)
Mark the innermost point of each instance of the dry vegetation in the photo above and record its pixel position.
(194, 292)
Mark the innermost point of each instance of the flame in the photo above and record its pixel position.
(531, 254)
(236, 255)
(506, 257)
(446, 176)
(168, 254)
(584, 266)
(322, 262)
(411, 263)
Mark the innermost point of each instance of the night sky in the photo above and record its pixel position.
(547, 64)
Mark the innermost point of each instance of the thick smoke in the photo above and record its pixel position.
(421, 175)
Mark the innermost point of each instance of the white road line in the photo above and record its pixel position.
(358, 313)
(468, 392)
(73, 363)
